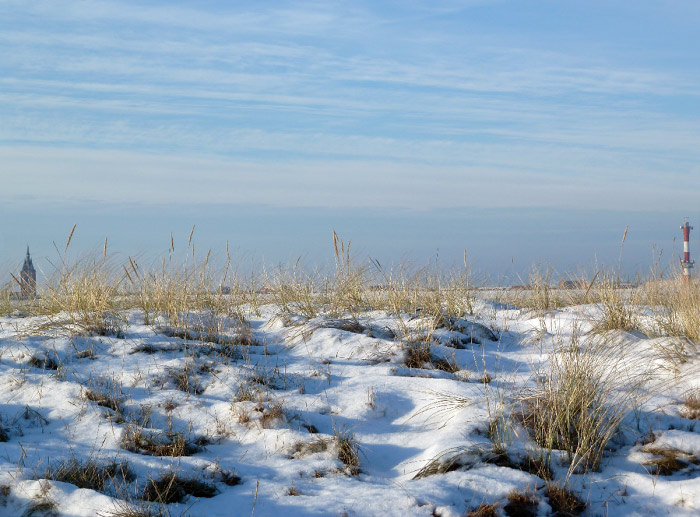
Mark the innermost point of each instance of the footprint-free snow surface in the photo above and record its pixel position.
(323, 417)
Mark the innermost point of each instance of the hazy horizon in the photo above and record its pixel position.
(502, 245)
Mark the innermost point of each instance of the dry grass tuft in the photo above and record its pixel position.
(563, 501)
(539, 295)
(538, 466)
(45, 362)
(186, 379)
(617, 306)
(419, 355)
(84, 298)
(668, 460)
(152, 443)
(691, 403)
(272, 414)
(171, 488)
(302, 449)
(101, 398)
(229, 478)
(521, 505)
(348, 450)
(464, 458)
(675, 308)
(580, 400)
(42, 505)
(90, 473)
(484, 510)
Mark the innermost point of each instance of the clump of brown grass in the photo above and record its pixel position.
(272, 414)
(105, 399)
(617, 306)
(302, 449)
(153, 443)
(42, 504)
(90, 473)
(348, 450)
(484, 510)
(186, 379)
(563, 501)
(691, 404)
(584, 393)
(6, 305)
(418, 355)
(668, 459)
(191, 298)
(540, 294)
(85, 297)
(521, 505)
(173, 488)
(295, 293)
(45, 362)
(675, 308)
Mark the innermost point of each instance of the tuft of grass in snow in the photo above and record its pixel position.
(617, 306)
(674, 305)
(419, 355)
(45, 362)
(464, 458)
(89, 473)
(133, 509)
(172, 488)
(484, 510)
(691, 404)
(85, 297)
(271, 414)
(667, 459)
(185, 379)
(539, 294)
(42, 505)
(135, 439)
(6, 305)
(521, 505)
(580, 400)
(302, 449)
(348, 450)
(105, 393)
(563, 501)
(192, 299)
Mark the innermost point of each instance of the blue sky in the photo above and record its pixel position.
(508, 123)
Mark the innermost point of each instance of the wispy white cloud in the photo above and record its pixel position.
(341, 88)
(69, 174)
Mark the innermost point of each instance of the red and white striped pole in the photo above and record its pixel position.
(686, 263)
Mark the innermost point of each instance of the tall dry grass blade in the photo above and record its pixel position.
(590, 285)
(335, 246)
(70, 237)
(622, 244)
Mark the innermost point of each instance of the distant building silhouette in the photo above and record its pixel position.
(27, 278)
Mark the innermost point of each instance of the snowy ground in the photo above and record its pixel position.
(262, 425)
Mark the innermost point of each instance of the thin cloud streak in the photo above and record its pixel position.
(342, 88)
